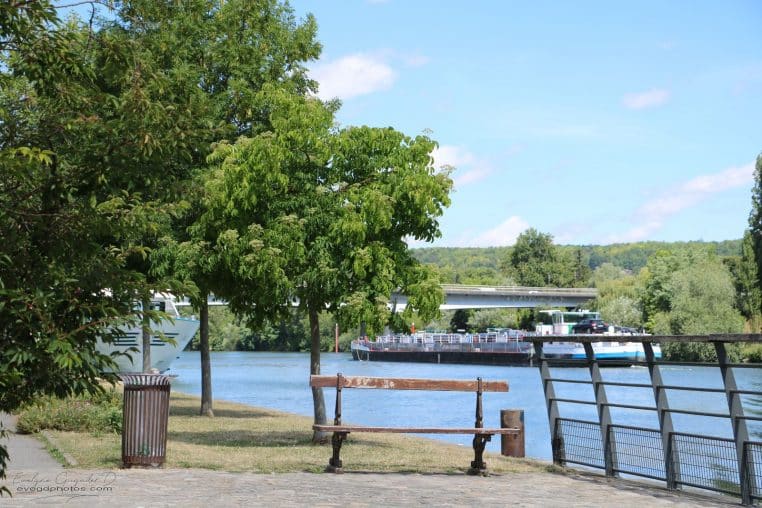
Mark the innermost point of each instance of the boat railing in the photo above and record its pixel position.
(480, 342)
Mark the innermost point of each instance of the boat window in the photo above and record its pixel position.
(161, 306)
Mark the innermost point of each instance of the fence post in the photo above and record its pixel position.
(556, 442)
(735, 409)
(671, 468)
(604, 415)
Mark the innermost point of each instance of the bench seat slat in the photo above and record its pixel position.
(322, 381)
(413, 430)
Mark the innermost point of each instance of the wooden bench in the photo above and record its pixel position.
(340, 431)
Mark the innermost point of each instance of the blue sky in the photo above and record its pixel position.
(596, 122)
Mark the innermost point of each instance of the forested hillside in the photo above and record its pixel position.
(470, 265)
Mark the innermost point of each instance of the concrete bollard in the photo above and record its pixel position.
(512, 445)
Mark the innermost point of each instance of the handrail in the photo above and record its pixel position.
(728, 465)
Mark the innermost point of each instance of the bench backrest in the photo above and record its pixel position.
(388, 383)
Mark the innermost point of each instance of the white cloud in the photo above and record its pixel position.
(452, 155)
(652, 215)
(649, 99)
(501, 235)
(468, 167)
(353, 75)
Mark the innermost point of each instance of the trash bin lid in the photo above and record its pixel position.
(139, 379)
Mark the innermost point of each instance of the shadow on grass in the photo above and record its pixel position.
(262, 439)
(191, 410)
(243, 438)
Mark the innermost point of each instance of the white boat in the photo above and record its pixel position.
(558, 322)
(180, 329)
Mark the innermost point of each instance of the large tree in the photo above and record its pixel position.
(219, 55)
(750, 277)
(323, 216)
(536, 261)
(690, 293)
(86, 161)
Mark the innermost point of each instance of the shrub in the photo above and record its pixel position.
(100, 412)
(752, 353)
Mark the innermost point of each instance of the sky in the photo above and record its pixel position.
(596, 122)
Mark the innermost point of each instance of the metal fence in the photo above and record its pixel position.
(611, 442)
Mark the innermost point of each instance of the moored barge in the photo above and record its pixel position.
(491, 348)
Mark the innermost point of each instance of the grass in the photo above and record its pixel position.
(245, 438)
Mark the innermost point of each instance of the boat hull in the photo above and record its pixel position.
(465, 350)
(449, 357)
(127, 349)
(444, 348)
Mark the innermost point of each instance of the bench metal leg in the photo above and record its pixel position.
(334, 463)
(478, 466)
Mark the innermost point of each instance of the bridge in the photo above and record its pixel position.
(486, 297)
(501, 297)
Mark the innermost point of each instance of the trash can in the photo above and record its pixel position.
(144, 420)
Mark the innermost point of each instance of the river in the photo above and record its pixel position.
(281, 381)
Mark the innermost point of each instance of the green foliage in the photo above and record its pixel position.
(689, 293)
(338, 242)
(101, 127)
(621, 310)
(95, 413)
(749, 268)
(634, 256)
(743, 270)
(752, 353)
(483, 319)
(698, 352)
(460, 320)
(472, 265)
(533, 260)
(536, 262)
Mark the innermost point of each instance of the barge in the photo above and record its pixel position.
(492, 348)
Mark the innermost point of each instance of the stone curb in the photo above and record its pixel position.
(70, 461)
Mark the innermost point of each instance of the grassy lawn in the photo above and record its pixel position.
(245, 438)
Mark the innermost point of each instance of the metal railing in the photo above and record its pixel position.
(613, 441)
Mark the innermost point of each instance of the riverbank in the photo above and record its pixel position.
(245, 438)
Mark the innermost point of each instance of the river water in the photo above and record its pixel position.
(281, 381)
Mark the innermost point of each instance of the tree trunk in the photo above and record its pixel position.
(206, 366)
(146, 327)
(317, 393)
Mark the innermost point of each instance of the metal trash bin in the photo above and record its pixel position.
(144, 420)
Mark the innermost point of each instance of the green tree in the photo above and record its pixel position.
(87, 161)
(755, 219)
(219, 54)
(460, 320)
(746, 278)
(493, 318)
(690, 293)
(323, 215)
(621, 310)
(535, 261)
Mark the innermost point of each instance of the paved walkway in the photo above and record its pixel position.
(200, 488)
(26, 452)
(35, 479)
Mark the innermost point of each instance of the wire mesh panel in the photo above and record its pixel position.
(706, 462)
(753, 457)
(579, 442)
(638, 451)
